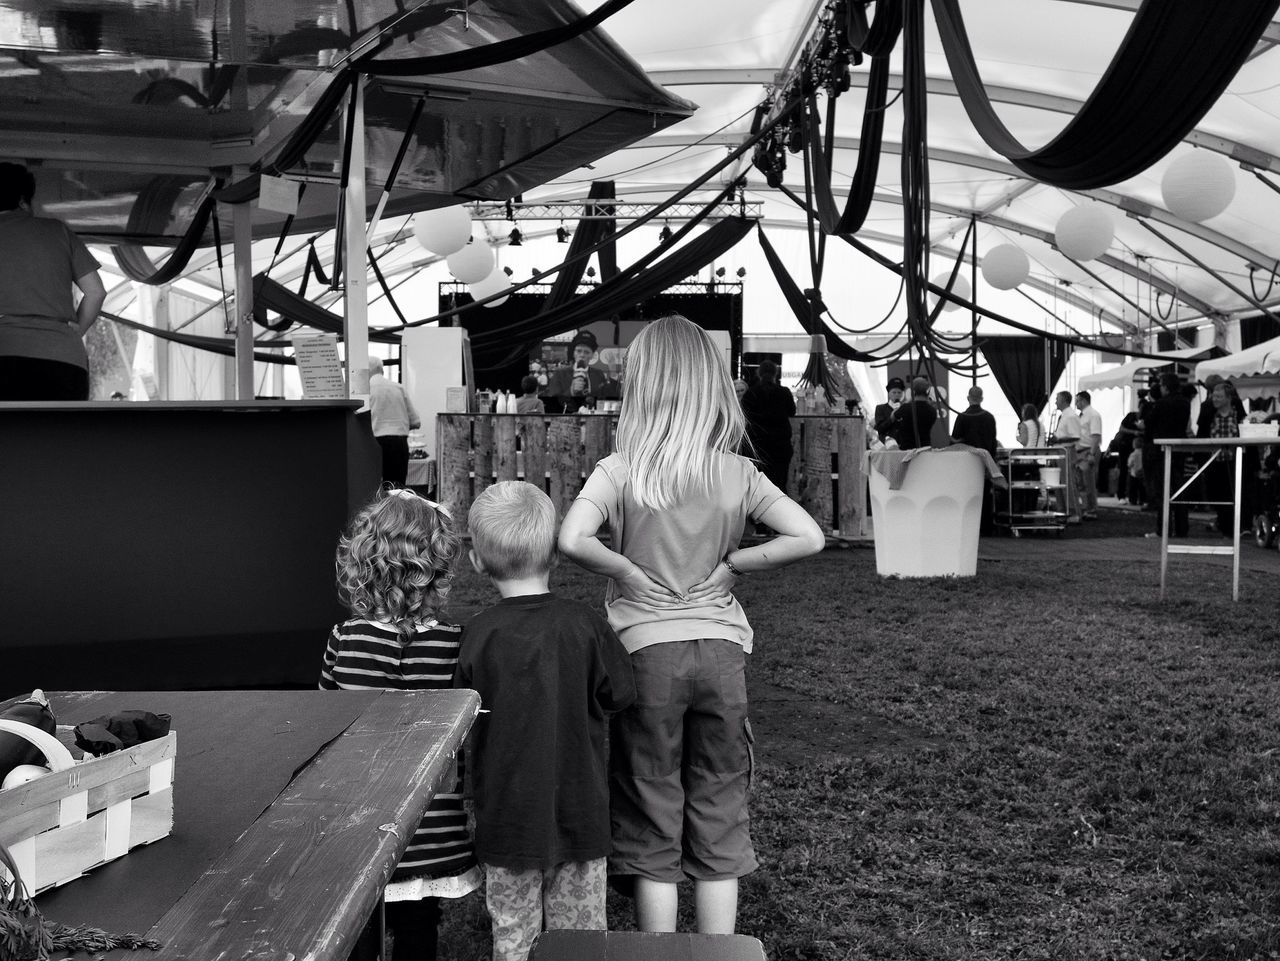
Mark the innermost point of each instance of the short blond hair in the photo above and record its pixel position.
(513, 530)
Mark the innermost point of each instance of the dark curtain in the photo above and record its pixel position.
(1018, 365)
(1254, 330)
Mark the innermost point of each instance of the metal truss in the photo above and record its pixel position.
(602, 209)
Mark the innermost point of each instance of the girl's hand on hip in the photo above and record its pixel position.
(639, 586)
(718, 584)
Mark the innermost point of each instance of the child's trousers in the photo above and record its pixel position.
(522, 903)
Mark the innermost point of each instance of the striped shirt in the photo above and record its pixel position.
(365, 655)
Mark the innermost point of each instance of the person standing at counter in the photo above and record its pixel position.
(912, 423)
(884, 412)
(42, 354)
(768, 408)
(393, 416)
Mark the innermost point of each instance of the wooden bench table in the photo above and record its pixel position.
(291, 809)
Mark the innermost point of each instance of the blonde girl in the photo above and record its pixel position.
(676, 497)
(395, 563)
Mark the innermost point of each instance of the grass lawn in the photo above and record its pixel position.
(1099, 778)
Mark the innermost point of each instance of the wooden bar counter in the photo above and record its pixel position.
(559, 451)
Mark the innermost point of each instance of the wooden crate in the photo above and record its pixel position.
(85, 813)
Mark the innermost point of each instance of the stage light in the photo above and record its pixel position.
(664, 235)
(591, 273)
(562, 234)
(508, 271)
(719, 271)
(516, 238)
(742, 272)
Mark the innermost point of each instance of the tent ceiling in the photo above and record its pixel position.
(108, 102)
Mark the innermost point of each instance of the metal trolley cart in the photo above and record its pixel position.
(1037, 496)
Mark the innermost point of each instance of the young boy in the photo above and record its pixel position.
(548, 670)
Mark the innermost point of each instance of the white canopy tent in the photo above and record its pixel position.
(1255, 371)
(1124, 375)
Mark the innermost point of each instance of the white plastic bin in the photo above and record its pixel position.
(929, 526)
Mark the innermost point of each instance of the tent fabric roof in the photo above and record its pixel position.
(92, 95)
(1263, 358)
(1123, 376)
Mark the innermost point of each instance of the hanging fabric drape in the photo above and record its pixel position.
(491, 348)
(802, 308)
(588, 234)
(159, 195)
(1018, 365)
(1172, 66)
(216, 345)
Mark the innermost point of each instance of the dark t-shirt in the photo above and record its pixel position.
(768, 409)
(548, 670)
(977, 428)
(911, 424)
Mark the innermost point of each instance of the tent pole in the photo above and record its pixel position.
(242, 217)
(356, 293)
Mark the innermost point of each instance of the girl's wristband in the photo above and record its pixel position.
(729, 564)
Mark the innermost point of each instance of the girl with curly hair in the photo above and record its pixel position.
(395, 564)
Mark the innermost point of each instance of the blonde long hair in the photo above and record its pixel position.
(679, 411)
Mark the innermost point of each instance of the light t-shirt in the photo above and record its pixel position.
(1090, 423)
(1068, 425)
(678, 548)
(391, 411)
(40, 261)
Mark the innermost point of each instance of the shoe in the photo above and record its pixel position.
(1090, 515)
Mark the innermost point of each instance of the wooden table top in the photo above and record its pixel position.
(300, 878)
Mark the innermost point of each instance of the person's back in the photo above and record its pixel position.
(548, 671)
(975, 426)
(913, 421)
(673, 494)
(395, 640)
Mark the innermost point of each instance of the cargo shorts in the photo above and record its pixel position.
(681, 765)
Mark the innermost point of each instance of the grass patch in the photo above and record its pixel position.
(1102, 782)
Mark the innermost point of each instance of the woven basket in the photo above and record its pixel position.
(85, 813)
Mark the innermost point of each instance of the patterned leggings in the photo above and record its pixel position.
(521, 903)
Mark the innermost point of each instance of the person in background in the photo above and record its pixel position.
(393, 417)
(549, 671)
(1030, 433)
(768, 408)
(739, 387)
(977, 428)
(884, 412)
(1122, 446)
(676, 497)
(1136, 488)
(582, 381)
(395, 564)
(1065, 432)
(42, 328)
(1168, 418)
(1226, 415)
(528, 402)
(913, 421)
(1088, 454)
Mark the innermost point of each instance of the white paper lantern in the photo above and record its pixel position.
(1085, 232)
(1198, 185)
(1005, 266)
(495, 282)
(960, 288)
(473, 263)
(443, 231)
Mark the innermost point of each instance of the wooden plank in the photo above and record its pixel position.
(504, 446)
(532, 430)
(815, 471)
(850, 439)
(453, 484)
(305, 876)
(597, 443)
(564, 451)
(68, 852)
(481, 454)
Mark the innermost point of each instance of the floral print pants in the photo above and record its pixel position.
(522, 903)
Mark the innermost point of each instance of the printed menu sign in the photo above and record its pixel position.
(319, 367)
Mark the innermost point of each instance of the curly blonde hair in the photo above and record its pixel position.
(395, 561)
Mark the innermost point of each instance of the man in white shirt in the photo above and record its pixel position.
(1088, 454)
(393, 417)
(1064, 431)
